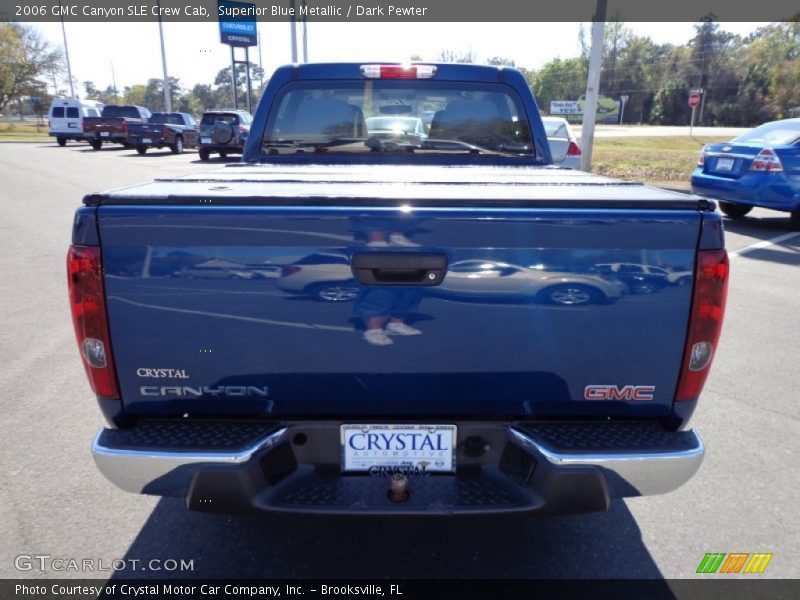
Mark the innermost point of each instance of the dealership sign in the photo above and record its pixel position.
(565, 107)
(237, 23)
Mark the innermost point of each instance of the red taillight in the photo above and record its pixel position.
(286, 271)
(87, 301)
(165, 132)
(766, 160)
(398, 71)
(573, 149)
(705, 322)
(125, 127)
(242, 128)
(701, 160)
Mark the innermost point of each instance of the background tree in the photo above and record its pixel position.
(107, 96)
(771, 84)
(501, 61)
(26, 61)
(559, 80)
(205, 96)
(451, 56)
(712, 52)
(224, 90)
(134, 94)
(154, 93)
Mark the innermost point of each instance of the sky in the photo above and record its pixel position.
(195, 55)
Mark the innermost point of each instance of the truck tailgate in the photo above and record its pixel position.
(104, 124)
(235, 292)
(154, 129)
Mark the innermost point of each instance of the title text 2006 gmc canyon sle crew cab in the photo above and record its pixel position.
(469, 355)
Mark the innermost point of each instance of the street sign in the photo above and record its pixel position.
(237, 23)
(694, 99)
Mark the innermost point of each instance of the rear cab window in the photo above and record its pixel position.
(72, 112)
(211, 118)
(409, 117)
(168, 118)
(555, 129)
(58, 112)
(779, 133)
(127, 112)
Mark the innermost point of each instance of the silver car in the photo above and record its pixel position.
(553, 284)
(563, 144)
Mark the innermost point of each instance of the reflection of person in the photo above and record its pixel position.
(382, 233)
(384, 312)
(392, 238)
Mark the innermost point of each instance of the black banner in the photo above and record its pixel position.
(401, 11)
(563, 589)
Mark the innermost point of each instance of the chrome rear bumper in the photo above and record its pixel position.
(641, 472)
(528, 466)
(168, 472)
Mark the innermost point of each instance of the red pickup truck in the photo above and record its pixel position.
(112, 124)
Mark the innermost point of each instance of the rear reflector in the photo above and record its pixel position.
(87, 301)
(398, 71)
(705, 322)
(766, 160)
(573, 149)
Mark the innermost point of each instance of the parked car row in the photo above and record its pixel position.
(757, 168)
(220, 132)
(328, 277)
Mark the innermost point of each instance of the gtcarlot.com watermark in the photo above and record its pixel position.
(46, 563)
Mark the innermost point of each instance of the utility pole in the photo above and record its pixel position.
(55, 85)
(293, 25)
(592, 86)
(114, 81)
(305, 33)
(623, 100)
(66, 55)
(260, 59)
(166, 86)
(249, 83)
(233, 80)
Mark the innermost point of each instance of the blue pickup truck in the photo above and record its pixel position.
(483, 360)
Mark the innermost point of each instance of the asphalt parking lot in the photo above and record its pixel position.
(53, 501)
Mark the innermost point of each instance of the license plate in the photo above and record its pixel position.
(104, 134)
(205, 140)
(147, 141)
(429, 448)
(724, 164)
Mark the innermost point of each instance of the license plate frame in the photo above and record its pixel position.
(105, 133)
(205, 140)
(147, 141)
(724, 163)
(436, 455)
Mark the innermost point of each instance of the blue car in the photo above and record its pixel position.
(758, 168)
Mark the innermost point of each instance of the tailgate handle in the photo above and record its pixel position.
(399, 268)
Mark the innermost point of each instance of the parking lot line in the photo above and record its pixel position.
(764, 244)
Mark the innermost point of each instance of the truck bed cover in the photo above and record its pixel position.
(398, 185)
